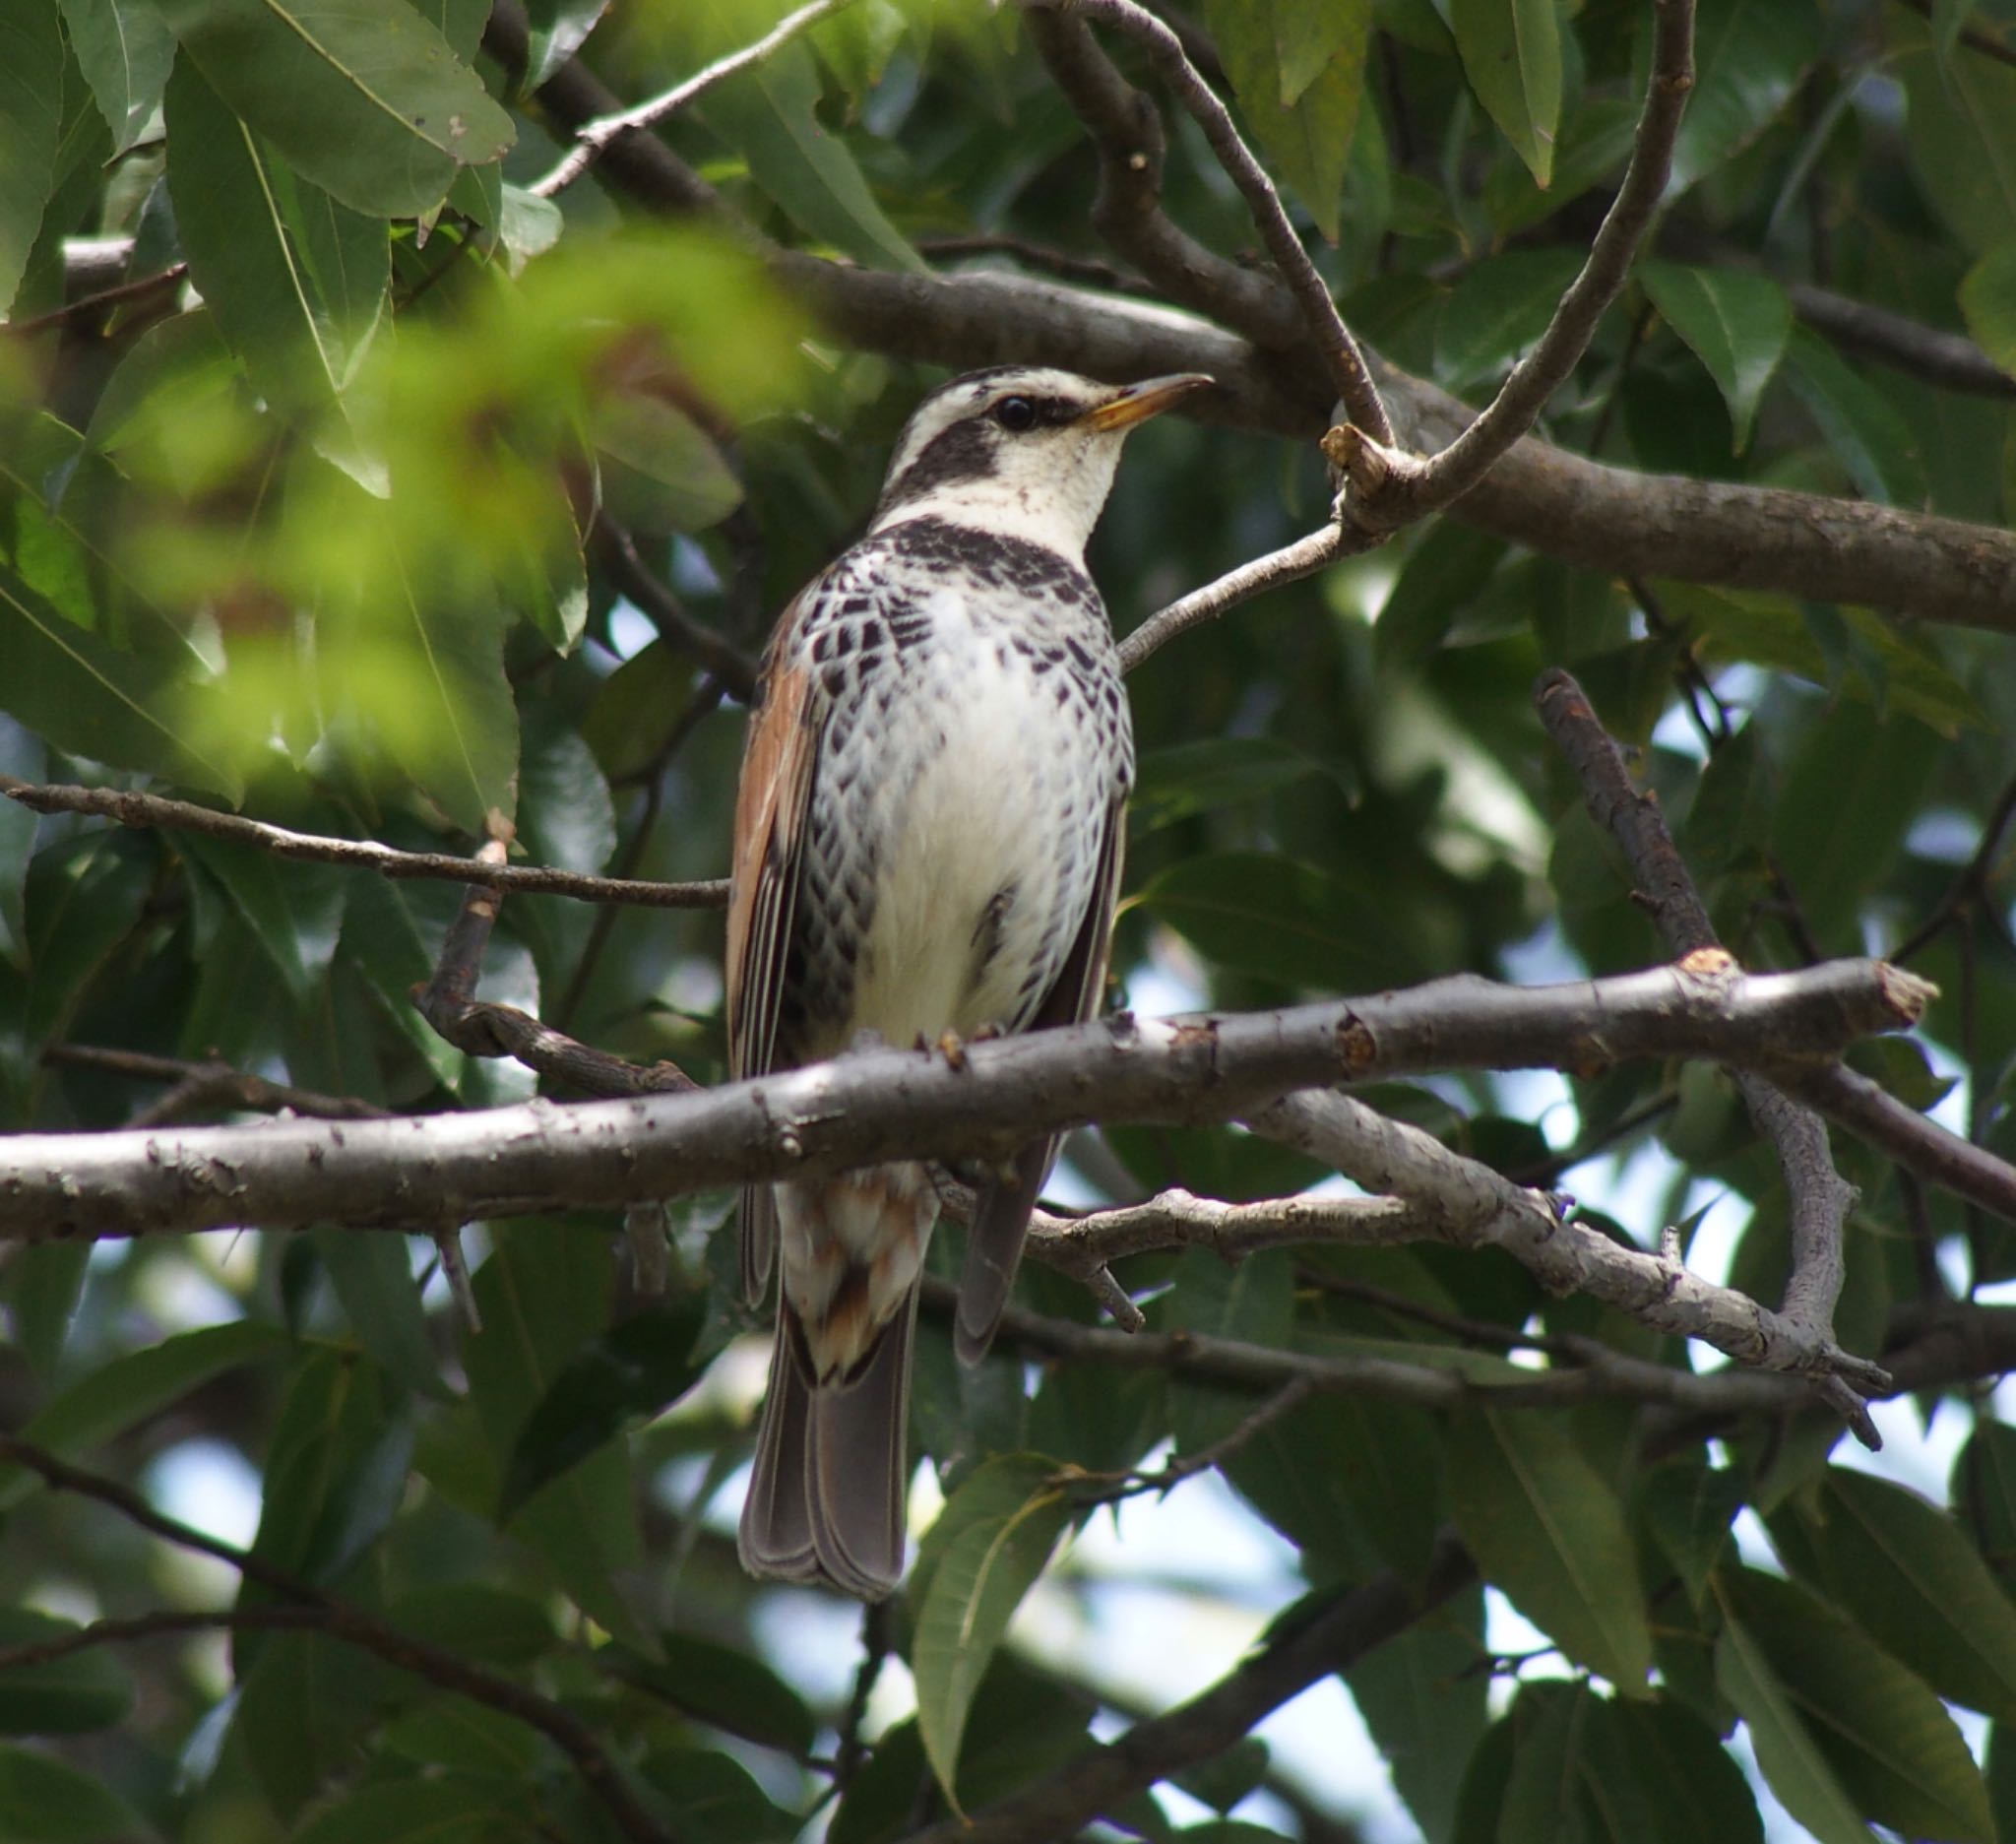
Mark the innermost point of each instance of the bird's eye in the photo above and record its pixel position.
(1015, 414)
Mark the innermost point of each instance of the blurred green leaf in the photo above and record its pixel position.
(1749, 56)
(559, 28)
(1737, 324)
(453, 1732)
(1500, 307)
(1190, 778)
(728, 1688)
(294, 910)
(363, 96)
(1861, 428)
(1442, 576)
(1689, 1508)
(631, 1372)
(768, 114)
(1987, 298)
(415, 1810)
(988, 1544)
(31, 124)
(125, 51)
(374, 1280)
(1691, 1790)
(136, 1386)
(1298, 71)
(1843, 1732)
(45, 1801)
(72, 1695)
(89, 697)
(667, 475)
(1960, 118)
(1512, 55)
(1283, 921)
(1548, 1531)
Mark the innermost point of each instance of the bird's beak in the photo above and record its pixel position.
(1136, 403)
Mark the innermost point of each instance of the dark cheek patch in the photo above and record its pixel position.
(964, 452)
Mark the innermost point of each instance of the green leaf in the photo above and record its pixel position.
(66, 1696)
(1987, 298)
(453, 1732)
(628, 1374)
(1500, 307)
(294, 910)
(1849, 799)
(1442, 576)
(1423, 1699)
(544, 1294)
(718, 1684)
(363, 97)
(415, 1810)
(978, 1560)
(31, 127)
(42, 1285)
(1904, 1571)
(1185, 779)
(1737, 324)
(713, 1799)
(124, 50)
(664, 474)
(1298, 71)
(1689, 1510)
(1512, 55)
(490, 1625)
(856, 44)
(85, 895)
(1547, 1528)
(374, 1281)
(1843, 1732)
(1749, 56)
(1684, 1777)
(45, 1801)
(94, 700)
(768, 114)
(1960, 119)
(1860, 429)
(559, 28)
(132, 1388)
(1283, 921)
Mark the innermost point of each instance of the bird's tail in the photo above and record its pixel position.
(993, 1248)
(826, 1499)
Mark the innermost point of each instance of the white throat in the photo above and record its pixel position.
(1056, 507)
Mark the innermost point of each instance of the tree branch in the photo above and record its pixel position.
(1342, 364)
(1819, 1198)
(352, 1625)
(131, 809)
(1106, 1776)
(1400, 494)
(883, 1105)
(592, 139)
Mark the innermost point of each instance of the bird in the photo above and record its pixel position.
(928, 834)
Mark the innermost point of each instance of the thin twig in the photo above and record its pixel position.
(1110, 1488)
(1304, 557)
(88, 305)
(1972, 37)
(208, 1084)
(352, 1625)
(593, 138)
(1343, 363)
(730, 665)
(1971, 883)
(1406, 492)
(145, 810)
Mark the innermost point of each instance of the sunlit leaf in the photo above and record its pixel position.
(1749, 56)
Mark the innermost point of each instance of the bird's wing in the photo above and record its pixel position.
(1001, 1217)
(779, 760)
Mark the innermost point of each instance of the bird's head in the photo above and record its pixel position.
(1021, 450)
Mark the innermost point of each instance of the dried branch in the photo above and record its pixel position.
(1819, 1198)
(881, 1104)
(352, 1625)
(136, 809)
(1395, 494)
(1108, 1774)
(593, 138)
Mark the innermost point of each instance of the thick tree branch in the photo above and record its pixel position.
(444, 1169)
(131, 809)
(1819, 1197)
(352, 1625)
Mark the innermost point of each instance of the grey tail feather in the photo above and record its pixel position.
(776, 1535)
(759, 1240)
(994, 1248)
(859, 1464)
